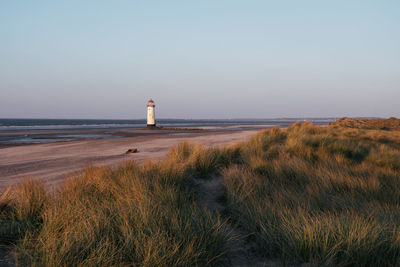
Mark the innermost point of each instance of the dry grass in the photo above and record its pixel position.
(132, 215)
(377, 124)
(325, 196)
(319, 195)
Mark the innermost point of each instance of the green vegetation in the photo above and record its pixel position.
(307, 194)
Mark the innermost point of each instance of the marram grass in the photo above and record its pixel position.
(322, 196)
(132, 215)
(316, 195)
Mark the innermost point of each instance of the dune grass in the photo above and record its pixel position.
(324, 196)
(132, 215)
(377, 124)
(307, 194)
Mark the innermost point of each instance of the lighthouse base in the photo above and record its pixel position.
(151, 126)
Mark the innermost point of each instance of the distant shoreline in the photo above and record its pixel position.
(12, 125)
(23, 138)
(19, 132)
(52, 162)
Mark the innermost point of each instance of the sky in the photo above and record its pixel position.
(205, 59)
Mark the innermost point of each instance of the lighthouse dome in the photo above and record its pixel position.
(150, 103)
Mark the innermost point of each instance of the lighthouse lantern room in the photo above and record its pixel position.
(151, 121)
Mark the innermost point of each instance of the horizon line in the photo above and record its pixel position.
(203, 119)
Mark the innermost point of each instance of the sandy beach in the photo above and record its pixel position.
(53, 162)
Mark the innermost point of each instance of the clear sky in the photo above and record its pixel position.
(199, 59)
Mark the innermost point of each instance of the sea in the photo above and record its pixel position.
(10, 127)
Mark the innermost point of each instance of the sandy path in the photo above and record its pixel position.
(241, 248)
(53, 162)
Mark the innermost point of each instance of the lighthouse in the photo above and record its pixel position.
(151, 121)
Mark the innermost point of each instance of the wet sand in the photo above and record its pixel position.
(52, 162)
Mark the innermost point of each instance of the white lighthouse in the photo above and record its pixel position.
(151, 121)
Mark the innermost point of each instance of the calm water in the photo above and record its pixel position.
(32, 125)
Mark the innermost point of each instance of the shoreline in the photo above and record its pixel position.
(53, 162)
(35, 137)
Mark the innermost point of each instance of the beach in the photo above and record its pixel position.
(53, 162)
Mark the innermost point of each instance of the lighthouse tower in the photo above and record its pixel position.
(151, 121)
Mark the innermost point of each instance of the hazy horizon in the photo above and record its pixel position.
(199, 60)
